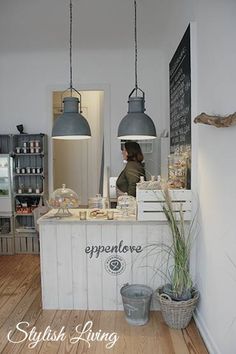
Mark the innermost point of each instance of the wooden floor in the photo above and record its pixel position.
(20, 301)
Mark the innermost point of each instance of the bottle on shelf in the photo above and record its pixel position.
(142, 183)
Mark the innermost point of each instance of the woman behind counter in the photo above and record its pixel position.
(126, 182)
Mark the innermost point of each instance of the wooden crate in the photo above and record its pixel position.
(6, 234)
(27, 243)
(150, 204)
(6, 244)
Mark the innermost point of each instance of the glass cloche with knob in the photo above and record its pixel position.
(64, 199)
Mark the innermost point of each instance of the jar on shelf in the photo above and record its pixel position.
(142, 184)
(37, 190)
(20, 190)
(37, 143)
(177, 171)
(154, 183)
(98, 202)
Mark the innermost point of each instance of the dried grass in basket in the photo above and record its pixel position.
(177, 314)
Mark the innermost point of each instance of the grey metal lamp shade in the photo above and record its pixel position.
(136, 125)
(71, 125)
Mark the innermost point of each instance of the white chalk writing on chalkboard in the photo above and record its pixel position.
(180, 95)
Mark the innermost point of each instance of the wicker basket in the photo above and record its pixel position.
(177, 314)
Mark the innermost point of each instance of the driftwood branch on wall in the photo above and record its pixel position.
(217, 121)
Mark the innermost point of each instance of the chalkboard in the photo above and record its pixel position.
(180, 97)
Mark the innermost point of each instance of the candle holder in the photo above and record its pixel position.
(83, 215)
(110, 215)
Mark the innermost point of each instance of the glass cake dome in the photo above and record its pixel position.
(64, 199)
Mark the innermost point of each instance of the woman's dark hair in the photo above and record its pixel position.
(134, 151)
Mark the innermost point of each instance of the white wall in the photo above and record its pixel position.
(108, 24)
(214, 165)
(216, 173)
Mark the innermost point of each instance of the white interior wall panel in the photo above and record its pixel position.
(74, 279)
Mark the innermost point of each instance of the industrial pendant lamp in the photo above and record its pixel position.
(71, 125)
(136, 125)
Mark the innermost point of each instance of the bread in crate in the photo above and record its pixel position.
(150, 204)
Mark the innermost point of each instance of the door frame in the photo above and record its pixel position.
(106, 125)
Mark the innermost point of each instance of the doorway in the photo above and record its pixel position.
(80, 164)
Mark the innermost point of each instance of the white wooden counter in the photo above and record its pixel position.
(85, 263)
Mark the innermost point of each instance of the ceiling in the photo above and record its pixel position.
(44, 24)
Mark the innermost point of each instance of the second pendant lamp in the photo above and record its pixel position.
(136, 125)
(71, 125)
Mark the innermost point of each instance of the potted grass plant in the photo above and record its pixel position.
(178, 297)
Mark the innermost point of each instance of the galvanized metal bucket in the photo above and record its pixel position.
(136, 301)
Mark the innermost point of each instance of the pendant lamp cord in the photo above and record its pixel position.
(136, 88)
(136, 49)
(71, 48)
(71, 88)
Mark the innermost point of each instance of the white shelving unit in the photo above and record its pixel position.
(17, 229)
(28, 187)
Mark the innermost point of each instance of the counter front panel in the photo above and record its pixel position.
(85, 264)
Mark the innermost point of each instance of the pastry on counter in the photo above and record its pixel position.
(97, 213)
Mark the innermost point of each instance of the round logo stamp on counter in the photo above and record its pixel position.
(115, 265)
